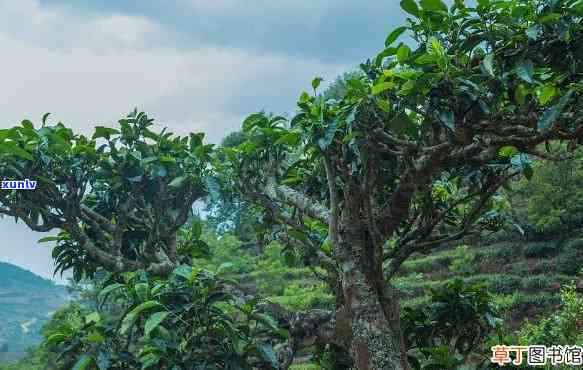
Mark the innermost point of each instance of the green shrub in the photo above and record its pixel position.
(462, 262)
(546, 249)
(552, 199)
(543, 267)
(497, 253)
(505, 251)
(459, 314)
(561, 327)
(519, 268)
(504, 283)
(429, 263)
(301, 297)
(570, 259)
(305, 367)
(537, 282)
(409, 281)
(540, 300)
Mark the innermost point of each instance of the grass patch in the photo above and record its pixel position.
(497, 253)
(305, 367)
(541, 249)
(430, 263)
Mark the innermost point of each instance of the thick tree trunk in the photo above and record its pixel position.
(372, 321)
(370, 314)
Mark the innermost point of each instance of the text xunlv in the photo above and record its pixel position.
(18, 184)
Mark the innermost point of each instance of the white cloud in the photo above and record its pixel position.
(28, 22)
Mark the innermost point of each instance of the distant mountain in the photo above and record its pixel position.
(26, 303)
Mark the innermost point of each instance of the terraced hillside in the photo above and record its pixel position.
(26, 302)
(525, 277)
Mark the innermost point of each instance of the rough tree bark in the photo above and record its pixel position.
(371, 309)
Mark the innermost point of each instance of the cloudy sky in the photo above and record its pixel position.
(193, 65)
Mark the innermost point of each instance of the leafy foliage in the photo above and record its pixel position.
(452, 326)
(118, 198)
(166, 324)
(564, 326)
(551, 200)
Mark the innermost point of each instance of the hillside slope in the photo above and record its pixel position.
(525, 276)
(26, 302)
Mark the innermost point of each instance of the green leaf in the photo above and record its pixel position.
(520, 94)
(460, 4)
(550, 18)
(553, 113)
(508, 151)
(434, 47)
(290, 138)
(131, 317)
(82, 362)
(196, 140)
(95, 337)
(401, 124)
(93, 317)
(142, 290)
(136, 155)
(48, 239)
(393, 36)
(383, 86)
(329, 133)
(149, 360)
(13, 148)
(44, 119)
(525, 71)
(304, 97)
(183, 271)
(177, 182)
(577, 7)
(299, 235)
(316, 82)
(326, 247)
(488, 64)
(425, 59)
(27, 124)
(104, 132)
(155, 320)
(407, 88)
(254, 120)
(56, 339)
(434, 5)
(196, 230)
(528, 171)
(109, 289)
(383, 54)
(384, 105)
(166, 159)
(546, 94)
(411, 7)
(403, 53)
